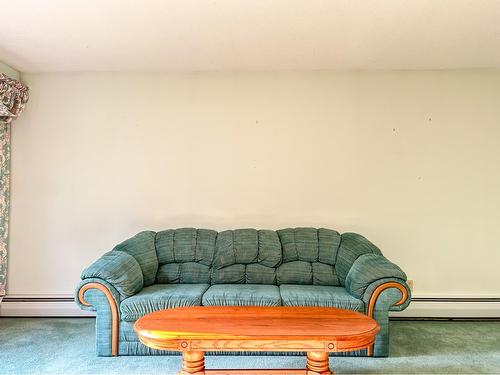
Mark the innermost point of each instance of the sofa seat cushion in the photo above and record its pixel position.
(319, 295)
(161, 296)
(242, 295)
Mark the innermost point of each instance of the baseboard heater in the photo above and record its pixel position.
(420, 308)
(22, 306)
(451, 308)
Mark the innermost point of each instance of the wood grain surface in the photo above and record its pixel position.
(257, 323)
(315, 330)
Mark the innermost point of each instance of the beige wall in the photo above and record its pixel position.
(409, 159)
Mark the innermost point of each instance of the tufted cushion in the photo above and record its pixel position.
(246, 256)
(309, 256)
(160, 296)
(297, 272)
(352, 246)
(319, 295)
(242, 295)
(184, 273)
(186, 245)
(119, 269)
(369, 268)
(142, 248)
(185, 255)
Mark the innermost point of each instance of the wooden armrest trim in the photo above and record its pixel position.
(374, 297)
(113, 307)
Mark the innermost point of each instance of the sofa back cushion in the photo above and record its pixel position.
(352, 246)
(309, 256)
(246, 256)
(301, 256)
(185, 255)
(142, 248)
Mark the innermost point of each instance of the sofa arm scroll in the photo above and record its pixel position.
(389, 294)
(382, 287)
(380, 297)
(369, 268)
(114, 276)
(88, 289)
(100, 296)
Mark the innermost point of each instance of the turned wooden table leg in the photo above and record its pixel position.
(317, 363)
(193, 363)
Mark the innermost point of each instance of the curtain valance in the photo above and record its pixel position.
(13, 97)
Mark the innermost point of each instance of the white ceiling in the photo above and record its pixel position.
(117, 35)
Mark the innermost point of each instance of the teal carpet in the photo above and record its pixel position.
(66, 346)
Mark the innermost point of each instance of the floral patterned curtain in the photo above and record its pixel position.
(13, 97)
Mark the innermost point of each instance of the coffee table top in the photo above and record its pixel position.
(256, 323)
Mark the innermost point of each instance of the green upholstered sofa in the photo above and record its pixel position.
(244, 267)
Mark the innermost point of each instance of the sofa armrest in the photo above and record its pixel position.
(89, 290)
(119, 269)
(113, 277)
(369, 268)
(382, 286)
(389, 294)
(98, 295)
(380, 297)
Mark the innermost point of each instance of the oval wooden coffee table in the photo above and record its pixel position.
(315, 330)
